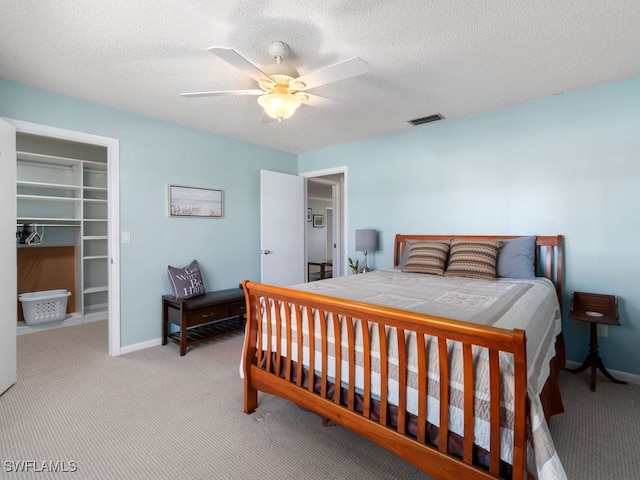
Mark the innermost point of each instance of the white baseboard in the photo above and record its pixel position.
(70, 320)
(141, 346)
(624, 376)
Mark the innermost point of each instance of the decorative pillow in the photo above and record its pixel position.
(473, 259)
(186, 282)
(427, 257)
(517, 258)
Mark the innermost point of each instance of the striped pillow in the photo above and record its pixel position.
(427, 257)
(473, 259)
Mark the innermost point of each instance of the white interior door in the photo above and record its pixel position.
(282, 224)
(8, 254)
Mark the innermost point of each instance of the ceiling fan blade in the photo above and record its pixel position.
(316, 101)
(220, 93)
(235, 59)
(333, 73)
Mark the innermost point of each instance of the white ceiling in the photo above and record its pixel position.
(450, 57)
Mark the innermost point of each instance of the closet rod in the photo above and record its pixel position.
(46, 225)
(47, 164)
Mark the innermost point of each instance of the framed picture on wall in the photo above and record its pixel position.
(308, 214)
(318, 221)
(195, 202)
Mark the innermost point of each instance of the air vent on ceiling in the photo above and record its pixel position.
(430, 118)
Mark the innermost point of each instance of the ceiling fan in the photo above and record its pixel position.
(282, 89)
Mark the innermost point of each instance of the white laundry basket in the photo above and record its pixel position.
(43, 307)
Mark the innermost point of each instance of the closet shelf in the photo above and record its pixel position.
(64, 189)
(48, 198)
(95, 257)
(51, 186)
(48, 160)
(94, 167)
(103, 288)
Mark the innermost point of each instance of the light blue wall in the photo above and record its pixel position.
(568, 164)
(154, 154)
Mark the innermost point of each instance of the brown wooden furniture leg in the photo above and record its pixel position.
(183, 328)
(165, 322)
(594, 361)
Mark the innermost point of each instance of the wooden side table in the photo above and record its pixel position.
(594, 308)
(325, 270)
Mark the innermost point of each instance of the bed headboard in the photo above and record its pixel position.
(549, 260)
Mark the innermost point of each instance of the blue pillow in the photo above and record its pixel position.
(405, 255)
(516, 258)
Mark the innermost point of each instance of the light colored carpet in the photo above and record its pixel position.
(152, 414)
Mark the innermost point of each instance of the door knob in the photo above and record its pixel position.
(267, 252)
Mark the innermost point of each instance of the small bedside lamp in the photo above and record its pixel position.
(366, 242)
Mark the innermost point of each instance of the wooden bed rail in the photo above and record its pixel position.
(278, 332)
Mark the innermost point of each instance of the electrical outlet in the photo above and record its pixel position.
(603, 330)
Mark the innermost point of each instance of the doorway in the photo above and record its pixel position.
(326, 206)
(93, 214)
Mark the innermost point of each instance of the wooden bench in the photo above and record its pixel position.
(202, 318)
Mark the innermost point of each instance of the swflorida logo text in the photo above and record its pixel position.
(25, 466)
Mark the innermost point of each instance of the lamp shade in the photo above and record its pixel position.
(366, 240)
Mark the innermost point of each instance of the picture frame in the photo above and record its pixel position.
(195, 202)
(309, 212)
(318, 221)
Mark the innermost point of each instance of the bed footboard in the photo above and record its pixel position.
(355, 363)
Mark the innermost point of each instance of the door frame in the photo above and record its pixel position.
(113, 210)
(328, 239)
(8, 326)
(339, 204)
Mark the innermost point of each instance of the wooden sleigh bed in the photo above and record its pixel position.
(399, 374)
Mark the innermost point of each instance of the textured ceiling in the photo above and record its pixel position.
(425, 57)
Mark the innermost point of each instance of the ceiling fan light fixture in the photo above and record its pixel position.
(282, 89)
(279, 105)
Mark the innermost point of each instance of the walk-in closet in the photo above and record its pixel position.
(62, 229)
